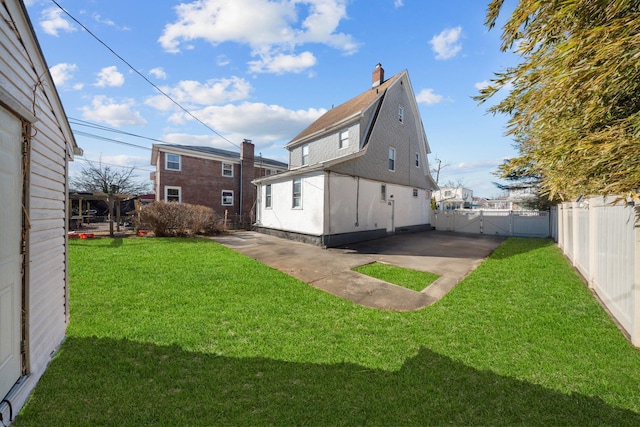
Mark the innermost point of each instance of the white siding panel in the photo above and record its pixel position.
(309, 219)
(41, 225)
(26, 84)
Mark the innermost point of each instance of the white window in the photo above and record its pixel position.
(417, 160)
(448, 193)
(305, 155)
(227, 198)
(227, 169)
(401, 114)
(344, 139)
(267, 196)
(383, 192)
(415, 192)
(392, 159)
(267, 172)
(173, 162)
(173, 194)
(296, 198)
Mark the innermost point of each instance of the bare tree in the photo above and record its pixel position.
(101, 178)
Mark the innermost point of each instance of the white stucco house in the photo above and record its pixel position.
(359, 172)
(36, 145)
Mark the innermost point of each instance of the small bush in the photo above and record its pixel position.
(179, 219)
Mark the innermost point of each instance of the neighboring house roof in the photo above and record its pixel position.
(204, 151)
(343, 112)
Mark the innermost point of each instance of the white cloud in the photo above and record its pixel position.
(273, 34)
(469, 167)
(486, 83)
(63, 72)
(125, 160)
(105, 21)
(426, 96)
(107, 110)
(52, 21)
(158, 73)
(222, 60)
(398, 3)
(262, 123)
(446, 44)
(110, 76)
(482, 85)
(282, 63)
(191, 93)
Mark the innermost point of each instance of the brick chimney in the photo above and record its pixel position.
(248, 174)
(377, 76)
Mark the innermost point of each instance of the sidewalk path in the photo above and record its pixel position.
(450, 255)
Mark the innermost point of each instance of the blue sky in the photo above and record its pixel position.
(265, 69)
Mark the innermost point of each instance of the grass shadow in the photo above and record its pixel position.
(515, 246)
(97, 381)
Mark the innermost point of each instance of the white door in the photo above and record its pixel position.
(10, 226)
(391, 226)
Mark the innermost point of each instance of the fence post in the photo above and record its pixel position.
(635, 333)
(593, 205)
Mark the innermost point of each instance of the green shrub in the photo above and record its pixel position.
(179, 219)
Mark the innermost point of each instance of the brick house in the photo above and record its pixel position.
(212, 177)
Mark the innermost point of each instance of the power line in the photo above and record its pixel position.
(104, 138)
(143, 76)
(84, 159)
(79, 122)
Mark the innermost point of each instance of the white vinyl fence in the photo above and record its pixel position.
(495, 223)
(601, 237)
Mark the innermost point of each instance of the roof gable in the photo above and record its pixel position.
(343, 112)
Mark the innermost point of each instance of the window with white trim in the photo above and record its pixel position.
(415, 192)
(227, 197)
(296, 196)
(305, 154)
(383, 192)
(173, 162)
(227, 170)
(417, 160)
(267, 196)
(344, 139)
(173, 194)
(392, 159)
(401, 114)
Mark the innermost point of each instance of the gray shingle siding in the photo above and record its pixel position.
(388, 132)
(326, 147)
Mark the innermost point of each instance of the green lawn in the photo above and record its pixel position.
(185, 332)
(411, 279)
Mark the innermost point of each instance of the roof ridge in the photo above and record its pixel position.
(347, 109)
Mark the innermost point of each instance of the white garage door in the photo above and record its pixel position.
(10, 225)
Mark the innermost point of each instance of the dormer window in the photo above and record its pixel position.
(401, 114)
(305, 155)
(344, 139)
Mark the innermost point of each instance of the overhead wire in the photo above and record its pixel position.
(189, 113)
(137, 168)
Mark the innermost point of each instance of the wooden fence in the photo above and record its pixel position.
(601, 237)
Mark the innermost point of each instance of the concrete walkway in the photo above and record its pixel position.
(450, 255)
